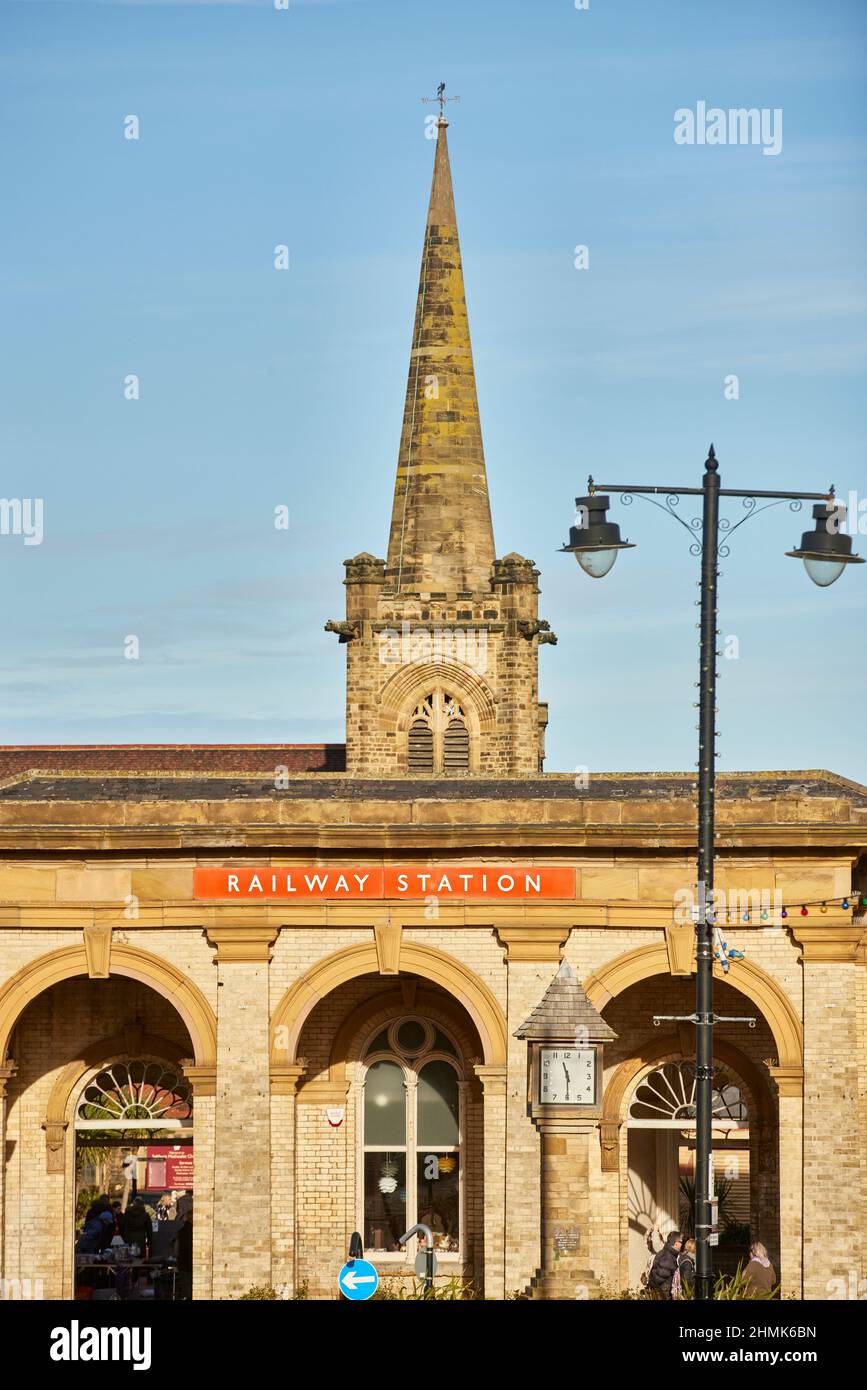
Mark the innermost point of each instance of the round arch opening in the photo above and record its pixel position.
(118, 1123)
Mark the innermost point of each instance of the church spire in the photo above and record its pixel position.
(441, 537)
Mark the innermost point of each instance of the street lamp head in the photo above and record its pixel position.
(595, 540)
(826, 551)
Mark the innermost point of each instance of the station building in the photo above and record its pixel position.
(312, 971)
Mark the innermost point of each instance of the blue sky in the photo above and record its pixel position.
(261, 388)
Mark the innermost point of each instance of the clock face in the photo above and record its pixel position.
(567, 1076)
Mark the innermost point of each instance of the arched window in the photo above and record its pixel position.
(438, 740)
(411, 1136)
(666, 1099)
(136, 1095)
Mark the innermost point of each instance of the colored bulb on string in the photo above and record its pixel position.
(804, 912)
(764, 917)
(784, 913)
(824, 907)
(845, 904)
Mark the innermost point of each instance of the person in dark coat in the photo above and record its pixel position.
(97, 1207)
(137, 1228)
(663, 1267)
(89, 1240)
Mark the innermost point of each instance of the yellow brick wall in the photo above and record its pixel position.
(285, 1198)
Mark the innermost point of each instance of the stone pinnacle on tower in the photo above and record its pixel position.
(441, 538)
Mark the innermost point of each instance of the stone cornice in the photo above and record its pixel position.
(284, 1080)
(534, 942)
(552, 916)
(790, 1080)
(493, 1078)
(323, 1092)
(211, 832)
(243, 945)
(828, 943)
(202, 1079)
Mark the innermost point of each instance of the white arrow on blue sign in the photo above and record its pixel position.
(358, 1280)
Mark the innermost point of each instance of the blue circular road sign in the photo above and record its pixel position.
(358, 1280)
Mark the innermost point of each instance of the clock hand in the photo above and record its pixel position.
(566, 1070)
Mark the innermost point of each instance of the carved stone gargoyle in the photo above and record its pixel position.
(538, 627)
(346, 631)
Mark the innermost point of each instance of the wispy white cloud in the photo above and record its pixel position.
(193, 4)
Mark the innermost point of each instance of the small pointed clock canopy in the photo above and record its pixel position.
(564, 1009)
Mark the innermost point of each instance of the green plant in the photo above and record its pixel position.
(86, 1196)
(735, 1233)
(722, 1191)
(735, 1286)
(259, 1291)
(607, 1292)
(387, 1289)
(452, 1290)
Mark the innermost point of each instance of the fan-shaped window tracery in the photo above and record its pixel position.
(137, 1094)
(666, 1098)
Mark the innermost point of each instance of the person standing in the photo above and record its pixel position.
(663, 1267)
(130, 1178)
(685, 1277)
(759, 1276)
(137, 1227)
(654, 1240)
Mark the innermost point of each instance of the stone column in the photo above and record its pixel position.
(204, 1083)
(790, 1089)
(533, 954)
(7, 1071)
(284, 1084)
(242, 1121)
(565, 1272)
(493, 1081)
(832, 1177)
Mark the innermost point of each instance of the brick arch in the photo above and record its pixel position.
(381, 1009)
(401, 693)
(129, 961)
(768, 996)
(667, 1048)
(450, 974)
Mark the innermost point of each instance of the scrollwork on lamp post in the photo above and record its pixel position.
(826, 551)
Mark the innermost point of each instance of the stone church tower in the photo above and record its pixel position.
(442, 637)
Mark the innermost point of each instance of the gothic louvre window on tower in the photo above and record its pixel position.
(439, 736)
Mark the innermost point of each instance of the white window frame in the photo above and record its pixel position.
(411, 1072)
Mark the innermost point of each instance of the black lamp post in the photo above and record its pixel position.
(595, 543)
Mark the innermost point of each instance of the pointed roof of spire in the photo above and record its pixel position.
(564, 1009)
(441, 537)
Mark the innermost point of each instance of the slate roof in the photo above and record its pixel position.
(47, 784)
(563, 1009)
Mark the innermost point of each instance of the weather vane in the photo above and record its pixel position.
(441, 98)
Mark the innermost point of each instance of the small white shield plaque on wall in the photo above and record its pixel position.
(336, 1115)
